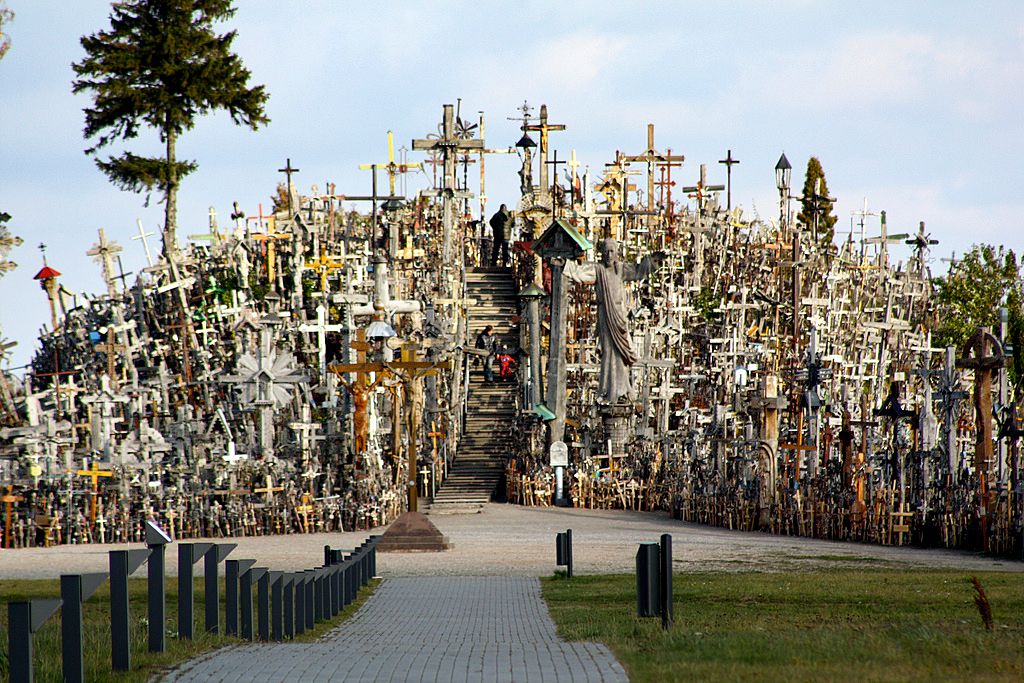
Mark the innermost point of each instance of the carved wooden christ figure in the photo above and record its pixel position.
(609, 277)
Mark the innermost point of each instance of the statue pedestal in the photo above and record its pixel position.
(616, 425)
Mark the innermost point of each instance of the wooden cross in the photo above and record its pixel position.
(360, 388)
(305, 510)
(110, 349)
(982, 353)
(700, 190)
(652, 156)
(271, 237)
(324, 266)
(94, 473)
(450, 144)
(411, 371)
(544, 128)
(9, 499)
(394, 169)
(729, 163)
(554, 162)
(104, 252)
(145, 245)
(269, 489)
(288, 171)
(666, 183)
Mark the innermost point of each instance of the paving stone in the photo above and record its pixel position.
(451, 629)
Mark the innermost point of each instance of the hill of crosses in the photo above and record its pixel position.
(317, 363)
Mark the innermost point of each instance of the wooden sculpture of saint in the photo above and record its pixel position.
(609, 277)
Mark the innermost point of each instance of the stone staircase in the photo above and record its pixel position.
(478, 466)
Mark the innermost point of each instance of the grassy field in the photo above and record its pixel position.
(96, 612)
(834, 625)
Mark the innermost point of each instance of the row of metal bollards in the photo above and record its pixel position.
(653, 575)
(288, 603)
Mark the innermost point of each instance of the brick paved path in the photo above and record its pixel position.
(426, 629)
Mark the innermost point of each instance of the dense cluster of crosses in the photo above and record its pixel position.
(307, 369)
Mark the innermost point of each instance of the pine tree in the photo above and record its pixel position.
(159, 66)
(817, 203)
(5, 18)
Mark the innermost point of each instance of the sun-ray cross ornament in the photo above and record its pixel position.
(266, 380)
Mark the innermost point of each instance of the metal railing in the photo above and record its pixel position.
(287, 603)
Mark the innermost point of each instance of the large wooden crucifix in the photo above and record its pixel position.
(411, 371)
(360, 388)
(544, 128)
(450, 145)
(982, 353)
(651, 157)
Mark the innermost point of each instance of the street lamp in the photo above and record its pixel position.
(531, 295)
(783, 173)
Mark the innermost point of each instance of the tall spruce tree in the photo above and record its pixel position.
(817, 203)
(160, 65)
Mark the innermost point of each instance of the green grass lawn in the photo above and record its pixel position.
(96, 612)
(833, 625)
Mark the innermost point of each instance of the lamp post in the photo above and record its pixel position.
(783, 176)
(532, 295)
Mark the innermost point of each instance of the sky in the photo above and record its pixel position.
(915, 107)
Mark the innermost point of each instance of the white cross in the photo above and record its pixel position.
(145, 245)
(321, 328)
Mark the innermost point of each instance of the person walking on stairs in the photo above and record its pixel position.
(488, 342)
(501, 226)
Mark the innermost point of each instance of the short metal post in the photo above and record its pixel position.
(310, 601)
(25, 617)
(74, 590)
(300, 603)
(231, 597)
(19, 641)
(186, 592)
(245, 600)
(157, 540)
(263, 607)
(121, 563)
(568, 552)
(336, 574)
(71, 628)
(647, 581)
(277, 605)
(327, 556)
(288, 590)
(214, 556)
(666, 581)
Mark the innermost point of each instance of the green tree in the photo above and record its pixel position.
(815, 202)
(5, 18)
(160, 66)
(970, 295)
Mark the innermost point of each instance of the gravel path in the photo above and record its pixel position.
(507, 540)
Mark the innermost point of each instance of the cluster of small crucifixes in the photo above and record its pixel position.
(780, 382)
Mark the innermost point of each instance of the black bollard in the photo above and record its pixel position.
(300, 603)
(214, 556)
(245, 584)
(24, 617)
(288, 591)
(666, 581)
(233, 570)
(277, 605)
(310, 608)
(156, 540)
(263, 606)
(74, 590)
(122, 564)
(647, 581)
(188, 555)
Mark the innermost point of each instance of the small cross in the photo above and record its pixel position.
(729, 162)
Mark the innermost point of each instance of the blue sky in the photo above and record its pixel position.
(916, 106)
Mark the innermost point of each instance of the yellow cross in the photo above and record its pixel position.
(391, 167)
(271, 237)
(94, 473)
(325, 265)
(8, 500)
